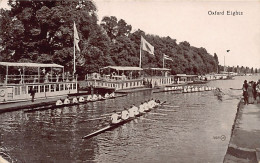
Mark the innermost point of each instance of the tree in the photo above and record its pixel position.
(115, 28)
(42, 31)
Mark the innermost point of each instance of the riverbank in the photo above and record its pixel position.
(244, 142)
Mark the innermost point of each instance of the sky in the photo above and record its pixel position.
(193, 21)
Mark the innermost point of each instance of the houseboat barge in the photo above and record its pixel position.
(47, 80)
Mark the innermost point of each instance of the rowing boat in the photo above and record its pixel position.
(112, 126)
(54, 106)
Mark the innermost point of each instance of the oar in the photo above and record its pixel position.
(158, 114)
(96, 118)
(235, 88)
(172, 106)
(167, 110)
(149, 119)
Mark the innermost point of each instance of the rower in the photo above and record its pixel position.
(125, 114)
(135, 109)
(95, 97)
(115, 118)
(106, 95)
(74, 100)
(158, 102)
(100, 97)
(89, 98)
(66, 101)
(141, 108)
(112, 94)
(152, 103)
(81, 99)
(131, 112)
(146, 107)
(59, 102)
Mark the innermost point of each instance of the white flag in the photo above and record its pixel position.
(167, 57)
(146, 46)
(76, 37)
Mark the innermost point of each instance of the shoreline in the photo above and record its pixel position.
(243, 144)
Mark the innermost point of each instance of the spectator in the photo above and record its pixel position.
(250, 93)
(245, 93)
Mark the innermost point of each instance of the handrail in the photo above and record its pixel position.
(22, 79)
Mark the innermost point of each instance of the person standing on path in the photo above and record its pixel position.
(250, 91)
(245, 93)
(32, 92)
(258, 91)
(254, 89)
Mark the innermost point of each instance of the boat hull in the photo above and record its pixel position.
(113, 126)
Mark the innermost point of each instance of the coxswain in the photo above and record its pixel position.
(131, 112)
(115, 118)
(74, 100)
(81, 99)
(141, 108)
(125, 114)
(59, 102)
(158, 102)
(66, 101)
(89, 98)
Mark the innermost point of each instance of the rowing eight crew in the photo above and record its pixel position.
(82, 99)
(133, 111)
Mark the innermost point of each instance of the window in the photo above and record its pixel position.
(61, 87)
(17, 91)
(29, 88)
(23, 89)
(74, 86)
(52, 88)
(36, 88)
(57, 87)
(47, 88)
(41, 88)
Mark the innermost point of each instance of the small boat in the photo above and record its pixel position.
(112, 126)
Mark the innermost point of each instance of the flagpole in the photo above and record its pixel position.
(163, 60)
(74, 51)
(140, 64)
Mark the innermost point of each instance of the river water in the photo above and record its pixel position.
(192, 127)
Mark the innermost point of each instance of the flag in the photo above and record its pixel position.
(76, 37)
(167, 57)
(146, 46)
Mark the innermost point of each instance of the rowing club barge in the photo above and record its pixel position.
(48, 80)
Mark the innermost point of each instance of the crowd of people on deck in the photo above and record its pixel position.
(251, 92)
(133, 111)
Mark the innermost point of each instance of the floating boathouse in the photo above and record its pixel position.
(48, 80)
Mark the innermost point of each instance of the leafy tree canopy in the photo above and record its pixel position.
(42, 31)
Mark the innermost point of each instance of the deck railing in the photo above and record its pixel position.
(30, 79)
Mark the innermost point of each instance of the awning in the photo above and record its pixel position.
(14, 64)
(158, 69)
(185, 75)
(123, 68)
